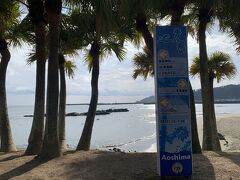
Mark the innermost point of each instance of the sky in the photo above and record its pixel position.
(115, 81)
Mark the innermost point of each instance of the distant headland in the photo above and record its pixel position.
(222, 95)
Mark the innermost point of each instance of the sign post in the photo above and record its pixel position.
(172, 101)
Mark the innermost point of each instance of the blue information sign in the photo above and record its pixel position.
(172, 101)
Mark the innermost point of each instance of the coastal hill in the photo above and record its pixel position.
(222, 94)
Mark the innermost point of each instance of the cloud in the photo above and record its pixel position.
(216, 41)
(115, 81)
(20, 90)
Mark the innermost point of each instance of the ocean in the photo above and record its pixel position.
(128, 131)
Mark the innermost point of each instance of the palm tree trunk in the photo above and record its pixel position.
(50, 147)
(35, 139)
(210, 140)
(214, 122)
(7, 144)
(62, 104)
(84, 143)
(196, 147)
(177, 10)
(212, 95)
(142, 27)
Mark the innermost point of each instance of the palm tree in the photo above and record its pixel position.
(9, 12)
(206, 11)
(64, 67)
(93, 20)
(108, 46)
(84, 142)
(51, 146)
(69, 44)
(36, 14)
(62, 103)
(7, 144)
(220, 66)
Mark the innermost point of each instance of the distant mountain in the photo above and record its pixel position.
(224, 93)
(147, 100)
(229, 93)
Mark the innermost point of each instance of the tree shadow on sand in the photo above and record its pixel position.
(110, 165)
(202, 167)
(23, 168)
(233, 156)
(11, 158)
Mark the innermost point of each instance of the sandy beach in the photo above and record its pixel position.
(103, 165)
(230, 128)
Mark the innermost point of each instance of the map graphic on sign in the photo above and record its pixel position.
(177, 139)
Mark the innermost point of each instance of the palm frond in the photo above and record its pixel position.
(220, 66)
(195, 67)
(88, 59)
(143, 64)
(31, 57)
(109, 47)
(137, 39)
(9, 17)
(70, 68)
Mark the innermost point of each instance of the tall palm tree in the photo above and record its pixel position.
(51, 146)
(36, 14)
(220, 66)
(62, 103)
(9, 13)
(7, 144)
(85, 140)
(69, 44)
(64, 67)
(93, 20)
(206, 11)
